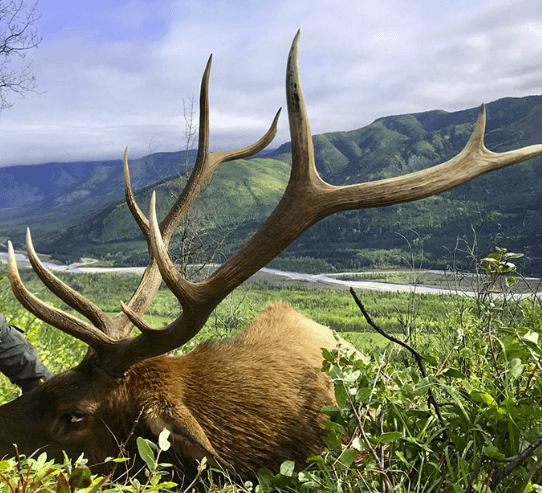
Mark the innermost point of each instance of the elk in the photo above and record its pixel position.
(244, 403)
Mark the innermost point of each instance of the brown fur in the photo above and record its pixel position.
(249, 402)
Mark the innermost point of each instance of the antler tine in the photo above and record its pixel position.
(187, 293)
(139, 322)
(57, 318)
(183, 287)
(474, 160)
(137, 213)
(150, 280)
(65, 292)
(207, 162)
(112, 327)
(303, 164)
(204, 167)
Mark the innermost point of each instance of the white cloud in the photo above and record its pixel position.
(118, 75)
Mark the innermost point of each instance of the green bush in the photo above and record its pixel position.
(468, 418)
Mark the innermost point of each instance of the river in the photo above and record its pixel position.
(317, 280)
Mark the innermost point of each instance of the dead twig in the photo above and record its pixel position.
(514, 462)
(417, 356)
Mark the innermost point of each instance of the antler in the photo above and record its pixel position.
(307, 200)
(104, 331)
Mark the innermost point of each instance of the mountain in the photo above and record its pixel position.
(93, 187)
(22, 186)
(241, 192)
(502, 208)
(395, 145)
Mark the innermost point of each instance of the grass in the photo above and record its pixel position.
(394, 312)
(365, 341)
(476, 355)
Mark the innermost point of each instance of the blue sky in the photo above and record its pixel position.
(115, 73)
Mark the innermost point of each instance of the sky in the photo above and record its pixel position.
(117, 73)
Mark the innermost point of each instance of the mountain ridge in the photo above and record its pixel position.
(507, 203)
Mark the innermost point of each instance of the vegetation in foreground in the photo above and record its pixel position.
(465, 416)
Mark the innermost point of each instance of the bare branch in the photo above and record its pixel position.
(18, 36)
(417, 356)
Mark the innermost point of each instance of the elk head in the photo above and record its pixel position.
(247, 403)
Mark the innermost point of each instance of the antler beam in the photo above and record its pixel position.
(307, 200)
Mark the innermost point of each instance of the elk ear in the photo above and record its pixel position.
(187, 436)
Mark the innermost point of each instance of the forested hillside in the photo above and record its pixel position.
(502, 208)
(75, 200)
(21, 186)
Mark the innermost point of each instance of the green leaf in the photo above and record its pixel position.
(81, 477)
(351, 377)
(331, 410)
(510, 281)
(333, 441)
(516, 368)
(163, 442)
(358, 444)
(493, 256)
(454, 373)
(317, 459)
(265, 478)
(144, 448)
(402, 458)
(341, 395)
(168, 485)
(287, 468)
(4, 465)
(62, 485)
(482, 397)
(348, 457)
(363, 394)
(531, 336)
(493, 452)
(507, 267)
(485, 267)
(389, 437)
(335, 372)
(328, 356)
(40, 461)
(430, 359)
(330, 425)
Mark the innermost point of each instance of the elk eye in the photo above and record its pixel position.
(75, 418)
